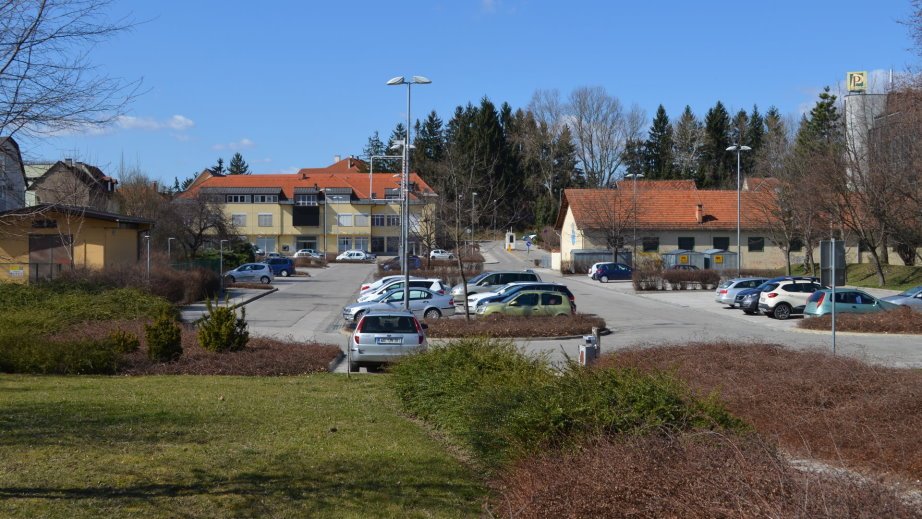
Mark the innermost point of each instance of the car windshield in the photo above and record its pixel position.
(388, 324)
(912, 291)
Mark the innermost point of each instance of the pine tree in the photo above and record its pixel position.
(823, 127)
(238, 166)
(376, 148)
(657, 150)
(218, 168)
(429, 142)
(754, 140)
(687, 137)
(715, 161)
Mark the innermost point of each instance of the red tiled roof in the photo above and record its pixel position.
(667, 208)
(342, 174)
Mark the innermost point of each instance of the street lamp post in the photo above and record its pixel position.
(169, 249)
(473, 219)
(739, 251)
(147, 237)
(405, 221)
(221, 263)
(634, 177)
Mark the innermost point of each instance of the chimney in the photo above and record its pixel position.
(350, 162)
(336, 158)
(69, 162)
(699, 213)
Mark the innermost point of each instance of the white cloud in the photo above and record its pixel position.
(176, 122)
(242, 144)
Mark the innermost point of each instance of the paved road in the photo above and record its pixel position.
(308, 309)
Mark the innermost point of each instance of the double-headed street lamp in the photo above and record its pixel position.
(404, 184)
(739, 251)
(634, 177)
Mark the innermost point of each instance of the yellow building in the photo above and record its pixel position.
(42, 241)
(330, 209)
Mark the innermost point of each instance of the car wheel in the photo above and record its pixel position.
(432, 313)
(603, 278)
(782, 311)
(231, 279)
(358, 317)
(284, 273)
(732, 305)
(749, 312)
(264, 280)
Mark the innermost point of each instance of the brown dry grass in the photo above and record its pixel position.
(898, 320)
(498, 326)
(812, 404)
(695, 475)
(261, 357)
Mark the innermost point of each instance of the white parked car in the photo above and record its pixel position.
(367, 287)
(308, 253)
(435, 285)
(355, 255)
(441, 254)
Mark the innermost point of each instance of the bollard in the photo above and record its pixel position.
(589, 352)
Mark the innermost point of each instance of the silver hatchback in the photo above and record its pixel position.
(727, 290)
(384, 336)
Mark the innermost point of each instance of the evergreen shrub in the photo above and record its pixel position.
(164, 338)
(221, 330)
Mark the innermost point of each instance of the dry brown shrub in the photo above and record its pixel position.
(515, 326)
(447, 271)
(695, 475)
(813, 404)
(309, 262)
(176, 286)
(691, 279)
(261, 357)
(898, 320)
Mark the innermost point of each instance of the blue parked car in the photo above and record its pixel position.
(281, 266)
(606, 271)
(413, 263)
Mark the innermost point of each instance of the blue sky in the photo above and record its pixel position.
(291, 84)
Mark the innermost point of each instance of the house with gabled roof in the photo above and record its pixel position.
(333, 209)
(74, 183)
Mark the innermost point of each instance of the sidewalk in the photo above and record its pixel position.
(234, 297)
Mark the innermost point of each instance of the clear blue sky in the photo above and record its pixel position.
(291, 84)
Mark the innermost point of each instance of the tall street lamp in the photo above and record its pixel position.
(405, 224)
(739, 251)
(634, 177)
(473, 220)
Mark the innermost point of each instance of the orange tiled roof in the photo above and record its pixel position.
(342, 174)
(667, 208)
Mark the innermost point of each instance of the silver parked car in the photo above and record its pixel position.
(384, 336)
(727, 290)
(423, 303)
(490, 282)
(250, 272)
(911, 298)
(366, 287)
(432, 284)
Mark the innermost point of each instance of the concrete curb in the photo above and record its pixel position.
(257, 296)
(603, 332)
(333, 364)
(855, 334)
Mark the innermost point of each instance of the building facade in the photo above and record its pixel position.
(330, 209)
(73, 183)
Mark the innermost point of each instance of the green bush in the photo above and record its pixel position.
(221, 330)
(164, 338)
(125, 342)
(26, 353)
(504, 405)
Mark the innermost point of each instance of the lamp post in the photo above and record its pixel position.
(147, 237)
(493, 223)
(473, 219)
(404, 184)
(169, 249)
(739, 251)
(634, 177)
(221, 263)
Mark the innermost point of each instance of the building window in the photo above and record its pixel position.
(344, 220)
(238, 199)
(650, 244)
(239, 220)
(361, 243)
(338, 199)
(392, 244)
(306, 200)
(265, 199)
(306, 242)
(756, 244)
(797, 245)
(722, 242)
(361, 220)
(377, 220)
(687, 243)
(344, 243)
(377, 244)
(265, 219)
(393, 220)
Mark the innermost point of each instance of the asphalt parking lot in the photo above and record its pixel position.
(309, 309)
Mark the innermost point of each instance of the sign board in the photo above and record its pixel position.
(832, 263)
(17, 272)
(527, 243)
(683, 259)
(718, 259)
(857, 81)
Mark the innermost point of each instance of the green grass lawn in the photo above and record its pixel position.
(898, 277)
(194, 446)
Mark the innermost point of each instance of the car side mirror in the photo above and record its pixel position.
(513, 303)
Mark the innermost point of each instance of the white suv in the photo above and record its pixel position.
(784, 298)
(441, 254)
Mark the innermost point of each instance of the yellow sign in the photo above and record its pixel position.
(856, 81)
(718, 259)
(683, 259)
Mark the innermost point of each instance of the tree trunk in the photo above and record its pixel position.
(881, 279)
(884, 253)
(787, 260)
(467, 312)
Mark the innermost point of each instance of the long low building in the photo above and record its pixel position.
(330, 209)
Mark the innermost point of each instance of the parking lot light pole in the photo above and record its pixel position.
(405, 184)
(634, 177)
(221, 263)
(147, 237)
(739, 251)
(473, 220)
(169, 249)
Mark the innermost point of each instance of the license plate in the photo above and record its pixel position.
(388, 340)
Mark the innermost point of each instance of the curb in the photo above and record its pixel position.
(603, 332)
(333, 364)
(257, 296)
(855, 334)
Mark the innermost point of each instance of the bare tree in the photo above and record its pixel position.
(601, 127)
(195, 221)
(47, 83)
(612, 214)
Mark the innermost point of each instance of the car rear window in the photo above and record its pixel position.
(814, 297)
(387, 324)
(725, 284)
(769, 287)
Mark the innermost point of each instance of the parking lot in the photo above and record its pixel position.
(309, 309)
